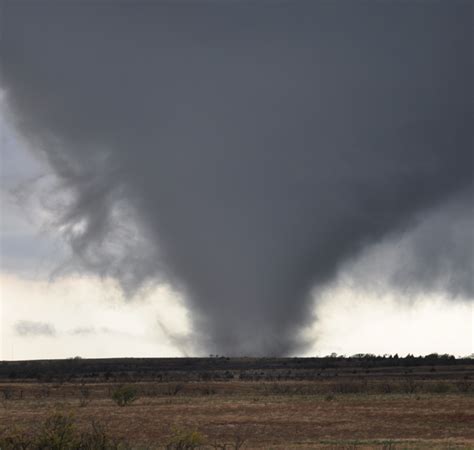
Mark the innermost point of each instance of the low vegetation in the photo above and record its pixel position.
(226, 404)
(124, 395)
(183, 439)
(59, 432)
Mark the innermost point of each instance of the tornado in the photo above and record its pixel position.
(242, 151)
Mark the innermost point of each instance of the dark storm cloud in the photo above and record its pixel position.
(242, 151)
(439, 255)
(434, 255)
(31, 328)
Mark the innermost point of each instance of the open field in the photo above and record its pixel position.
(392, 407)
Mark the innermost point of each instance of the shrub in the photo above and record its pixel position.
(185, 440)
(84, 398)
(386, 387)
(389, 445)
(7, 393)
(208, 390)
(57, 433)
(438, 388)
(464, 386)
(174, 389)
(349, 387)
(238, 440)
(124, 395)
(98, 439)
(409, 386)
(276, 389)
(15, 439)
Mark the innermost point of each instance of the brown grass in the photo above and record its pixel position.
(281, 415)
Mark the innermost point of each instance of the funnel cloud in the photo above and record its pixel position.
(243, 151)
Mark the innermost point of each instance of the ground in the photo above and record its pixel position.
(431, 408)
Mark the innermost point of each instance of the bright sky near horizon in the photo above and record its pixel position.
(89, 318)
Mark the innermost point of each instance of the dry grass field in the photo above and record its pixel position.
(370, 411)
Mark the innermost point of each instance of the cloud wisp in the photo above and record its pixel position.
(32, 328)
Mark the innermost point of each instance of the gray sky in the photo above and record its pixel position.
(247, 155)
